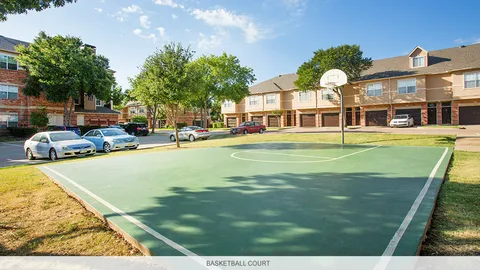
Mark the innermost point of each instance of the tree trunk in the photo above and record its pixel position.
(154, 117)
(201, 116)
(175, 111)
(205, 123)
(72, 104)
(65, 114)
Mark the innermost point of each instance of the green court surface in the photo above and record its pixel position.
(268, 199)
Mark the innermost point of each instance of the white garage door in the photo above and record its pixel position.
(55, 119)
(80, 120)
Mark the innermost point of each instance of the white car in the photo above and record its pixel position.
(57, 144)
(191, 133)
(402, 120)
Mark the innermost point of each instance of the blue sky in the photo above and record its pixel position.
(271, 36)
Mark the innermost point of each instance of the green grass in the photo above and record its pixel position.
(441, 126)
(455, 228)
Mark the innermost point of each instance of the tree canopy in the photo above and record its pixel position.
(22, 6)
(166, 79)
(348, 58)
(63, 68)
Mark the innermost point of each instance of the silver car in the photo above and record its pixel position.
(57, 144)
(191, 133)
(108, 139)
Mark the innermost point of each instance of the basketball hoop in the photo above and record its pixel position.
(335, 78)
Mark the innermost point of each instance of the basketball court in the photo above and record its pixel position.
(269, 199)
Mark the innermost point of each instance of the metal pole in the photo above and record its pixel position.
(342, 113)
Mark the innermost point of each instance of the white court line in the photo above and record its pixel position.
(233, 155)
(388, 253)
(133, 220)
(13, 144)
(268, 153)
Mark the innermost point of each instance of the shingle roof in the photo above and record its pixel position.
(439, 61)
(8, 44)
(79, 108)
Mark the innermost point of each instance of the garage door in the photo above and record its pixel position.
(231, 122)
(330, 119)
(273, 121)
(376, 118)
(415, 113)
(469, 115)
(258, 119)
(307, 120)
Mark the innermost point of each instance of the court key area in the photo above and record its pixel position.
(268, 199)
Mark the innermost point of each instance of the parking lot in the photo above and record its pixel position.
(11, 153)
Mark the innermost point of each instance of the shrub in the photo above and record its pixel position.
(140, 119)
(39, 118)
(22, 132)
(217, 125)
(181, 125)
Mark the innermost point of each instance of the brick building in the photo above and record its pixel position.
(15, 107)
(437, 87)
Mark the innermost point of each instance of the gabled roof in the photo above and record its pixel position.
(8, 44)
(414, 49)
(279, 83)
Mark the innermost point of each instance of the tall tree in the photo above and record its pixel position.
(63, 68)
(166, 78)
(118, 97)
(348, 58)
(22, 6)
(222, 78)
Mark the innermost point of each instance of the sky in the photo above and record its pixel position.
(271, 36)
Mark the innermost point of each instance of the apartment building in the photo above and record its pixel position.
(435, 87)
(15, 107)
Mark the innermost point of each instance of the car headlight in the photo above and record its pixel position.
(117, 141)
(65, 147)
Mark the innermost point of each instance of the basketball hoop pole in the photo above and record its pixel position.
(340, 92)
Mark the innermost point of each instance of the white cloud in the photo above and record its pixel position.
(296, 7)
(161, 31)
(169, 3)
(459, 40)
(139, 33)
(476, 41)
(187, 30)
(226, 19)
(174, 16)
(123, 13)
(208, 42)
(144, 22)
(99, 10)
(465, 41)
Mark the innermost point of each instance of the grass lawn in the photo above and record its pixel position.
(441, 126)
(37, 217)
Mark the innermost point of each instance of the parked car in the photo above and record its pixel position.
(248, 127)
(65, 128)
(402, 120)
(191, 133)
(136, 129)
(117, 127)
(108, 139)
(57, 144)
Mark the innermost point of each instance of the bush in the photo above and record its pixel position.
(140, 119)
(39, 118)
(22, 132)
(217, 125)
(85, 129)
(181, 125)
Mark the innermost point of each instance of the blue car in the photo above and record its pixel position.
(108, 139)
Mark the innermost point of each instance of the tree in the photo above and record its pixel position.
(39, 118)
(64, 69)
(278, 115)
(140, 119)
(22, 6)
(118, 97)
(166, 79)
(222, 78)
(348, 58)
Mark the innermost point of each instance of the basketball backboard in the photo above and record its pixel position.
(333, 78)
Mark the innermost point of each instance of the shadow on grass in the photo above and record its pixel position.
(297, 214)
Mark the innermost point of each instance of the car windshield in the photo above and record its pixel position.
(242, 124)
(112, 132)
(194, 127)
(64, 136)
(401, 116)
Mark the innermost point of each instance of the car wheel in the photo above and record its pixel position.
(191, 138)
(245, 132)
(260, 131)
(30, 154)
(107, 148)
(133, 148)
(53, 154)
(205, 138)
(172, 138)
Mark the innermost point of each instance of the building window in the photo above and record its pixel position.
(408, 86)
(8, 120)
(227, 104)
(132, 110)
(327, 94)
(419, 61)
(472, 80)
(271, 99)
(8, 62)
(142, 110)
(8, 91)
(90, 97)
(253, 101)
(374, 89)
(304, 96)
(98, 102)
